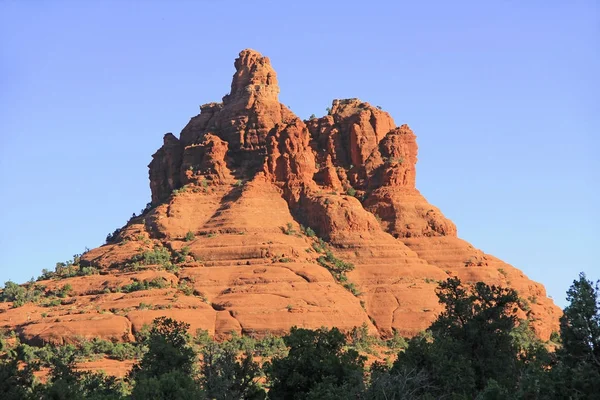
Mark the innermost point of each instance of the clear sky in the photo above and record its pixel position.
(503, 97)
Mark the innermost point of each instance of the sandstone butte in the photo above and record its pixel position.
(240, 180)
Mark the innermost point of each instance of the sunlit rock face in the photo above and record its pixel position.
(223, 242)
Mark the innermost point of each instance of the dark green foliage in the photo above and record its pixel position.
(267, 346)
(189, 236)
(46, 274)
(30, 354)
(114, 236)
(85, 350)
(186, 287)
(64, 291)
(396, 342)
(580, 324)
(66, 383)
(226, 378)
(168, 350)
(362, 341)
(156, 283)
(15, 383)
(166, 370)
(397, 385)
(173, 385)
(316, 364)
(270, 346)
(12, 292)
(289, 229)
(68, 269)
(524, 337)
(475, 349)
(320, 246)
(85, 271)
(19, 295)
(65, 269)
(578, 374)
(337, 267)
(308, 231)
(555, 337)
(472, 342)
(351, 287)
(185, 251)
(157, 256)
(125, 351)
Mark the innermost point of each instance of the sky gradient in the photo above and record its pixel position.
(503, 99)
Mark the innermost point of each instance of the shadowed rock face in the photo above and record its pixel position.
(228, 198)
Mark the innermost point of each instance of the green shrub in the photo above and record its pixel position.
(181, 255)
(319, 246)
(308, 231)
(186, 288)
(189, 236)
(125, 351)
(362, 341)
(351, 287)
(396, 342)
(19, 295)
(156, 283)
(46, 274)
(337, 267)
(317, 365)
(289, 229)
(64, 291)
(201, 339)
(12, 292)
(270, 346)
(52, 302)
(157, 256)
(85, 271)
(114, 236)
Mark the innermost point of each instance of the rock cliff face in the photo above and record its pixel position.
(231, 240)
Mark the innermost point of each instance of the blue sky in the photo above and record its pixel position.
(503, 98)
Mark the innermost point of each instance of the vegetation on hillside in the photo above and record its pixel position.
(475, 349)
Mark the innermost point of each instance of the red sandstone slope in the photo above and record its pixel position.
(228, 199)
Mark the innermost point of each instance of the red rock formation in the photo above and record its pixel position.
(228, 198)
(248, 113)
(164, 169)
(206, 162)
(393, 196)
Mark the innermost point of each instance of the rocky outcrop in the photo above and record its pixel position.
(228, 201)
(164, 169)
(248, 113)
(206, 162)
(393, 197)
